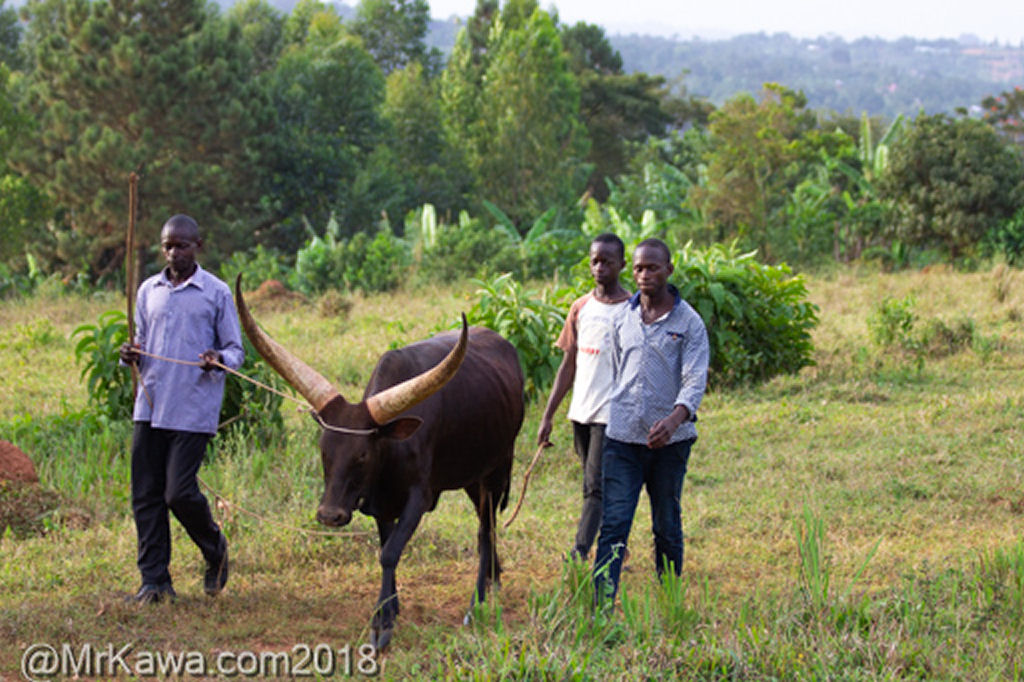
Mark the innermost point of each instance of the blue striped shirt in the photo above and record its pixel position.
(657, 366)
(182, 322)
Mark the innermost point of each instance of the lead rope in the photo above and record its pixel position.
(221, 502)
(229, 370)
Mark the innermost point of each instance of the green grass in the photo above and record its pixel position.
(860, 520)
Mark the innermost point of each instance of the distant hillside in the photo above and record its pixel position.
(877, 76)
(873, 75)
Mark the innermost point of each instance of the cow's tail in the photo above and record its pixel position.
(504, 494)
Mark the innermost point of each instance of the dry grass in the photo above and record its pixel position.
(923, 463)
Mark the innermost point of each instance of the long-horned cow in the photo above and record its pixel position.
(439, 414)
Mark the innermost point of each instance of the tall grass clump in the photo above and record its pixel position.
(83, 454)
(894, 325)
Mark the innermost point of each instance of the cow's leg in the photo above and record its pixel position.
(485, 496)
(394, 537)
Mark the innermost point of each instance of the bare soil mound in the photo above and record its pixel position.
(273, 295)
(15, 464)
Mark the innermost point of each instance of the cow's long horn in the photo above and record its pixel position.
(313, 386)
(391, 402)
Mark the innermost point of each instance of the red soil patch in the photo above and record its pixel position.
(15, 464)
(273, 295)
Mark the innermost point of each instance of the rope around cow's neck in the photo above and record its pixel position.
(304, 404)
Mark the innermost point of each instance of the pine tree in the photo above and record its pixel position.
(160, 87)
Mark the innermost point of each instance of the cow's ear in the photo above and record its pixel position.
(400, 428)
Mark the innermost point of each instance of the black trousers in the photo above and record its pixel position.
(164, 468)
(589, 441)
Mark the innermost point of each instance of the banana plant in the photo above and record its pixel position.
(608, 219)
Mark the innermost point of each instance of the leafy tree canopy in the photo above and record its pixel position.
(1006, 113)
(953, 180)
(262, 28)
(10, 37)
(393, 32)
(515, 105)
(161, 87)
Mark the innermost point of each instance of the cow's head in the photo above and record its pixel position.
(351, 431)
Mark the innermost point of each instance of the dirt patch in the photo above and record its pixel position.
(273, 295)
(24, 508)
(15, 464)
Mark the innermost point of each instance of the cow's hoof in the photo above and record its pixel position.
(468, 618)
(379, 639)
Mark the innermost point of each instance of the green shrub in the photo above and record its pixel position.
(108, 383)
(373, 265)
(14, 283)
(468, 248)
(248, 405)
(259, 265)
(531, 324)
(319, 263)
(1007, 239)
(758, 317)
(892, 323)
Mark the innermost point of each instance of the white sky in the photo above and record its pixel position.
(1001, 20)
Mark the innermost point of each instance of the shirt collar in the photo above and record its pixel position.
(195, 280)
(634, 300)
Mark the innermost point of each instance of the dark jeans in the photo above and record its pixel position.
(589, 441)
(164, 467)
(627, 467)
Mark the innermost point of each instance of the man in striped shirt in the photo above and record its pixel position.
(660, 350)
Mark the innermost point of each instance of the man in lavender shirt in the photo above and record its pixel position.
(183, 313)
(660, 351)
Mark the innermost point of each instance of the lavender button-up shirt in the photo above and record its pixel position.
(657, 366)
(181, 322)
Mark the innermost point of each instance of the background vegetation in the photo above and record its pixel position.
(349, 148)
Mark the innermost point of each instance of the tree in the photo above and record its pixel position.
(752, 148)
(427, 159)
(393, 32)
(21, 205)
(10, 37)
(516, 104)
(1005, 112)
(326, 93)
(262, 29)
(160, 87)
(953, 180)
(616, 108)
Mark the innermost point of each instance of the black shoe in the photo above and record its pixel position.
(216, 576)
(574, 555)
(151, 593)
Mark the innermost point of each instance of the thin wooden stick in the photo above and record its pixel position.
(526, 479)
(129, 269)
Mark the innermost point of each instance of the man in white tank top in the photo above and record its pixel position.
(587, 369)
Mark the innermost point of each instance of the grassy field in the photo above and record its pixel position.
(860, 520)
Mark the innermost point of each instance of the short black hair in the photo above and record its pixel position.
(657, 244)
(184, 221)
(613, 239)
